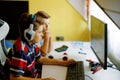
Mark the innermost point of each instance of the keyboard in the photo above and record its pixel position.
(75, 71)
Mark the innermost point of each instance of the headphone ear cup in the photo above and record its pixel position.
(29, 33)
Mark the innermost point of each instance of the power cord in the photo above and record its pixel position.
(88, 77)
(115, 68)
(112, 66)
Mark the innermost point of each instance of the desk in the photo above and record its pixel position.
(59, 72)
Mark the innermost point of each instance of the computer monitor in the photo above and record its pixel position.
(99, 40)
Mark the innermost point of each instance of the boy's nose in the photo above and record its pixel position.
(42, 34)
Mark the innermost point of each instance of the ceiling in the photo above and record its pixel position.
(112, 8)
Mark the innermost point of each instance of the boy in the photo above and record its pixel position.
(46, 42)
(25, 53)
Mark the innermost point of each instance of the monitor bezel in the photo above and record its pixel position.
(103, 64)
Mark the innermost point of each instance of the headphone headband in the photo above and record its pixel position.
(32, 18)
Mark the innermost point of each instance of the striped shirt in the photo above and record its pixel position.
(23, 59)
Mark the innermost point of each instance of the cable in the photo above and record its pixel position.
(115, 68)
(110, 65)
(89, 77)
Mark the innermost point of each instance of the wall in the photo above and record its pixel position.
(65, 20)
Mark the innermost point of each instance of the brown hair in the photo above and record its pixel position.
(43, 14)
(25, 21)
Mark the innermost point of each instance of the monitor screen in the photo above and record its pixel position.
(99, 40)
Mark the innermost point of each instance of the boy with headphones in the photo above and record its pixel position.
(25, 53)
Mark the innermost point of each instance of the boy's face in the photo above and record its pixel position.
(46, 24)
(38, 34)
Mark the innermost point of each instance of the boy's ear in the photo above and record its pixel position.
(29, 33)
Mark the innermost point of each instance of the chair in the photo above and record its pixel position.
(4, 29)
(3, 52)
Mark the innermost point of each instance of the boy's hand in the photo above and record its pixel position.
(69, 62)
(47, 34)
(50, 78)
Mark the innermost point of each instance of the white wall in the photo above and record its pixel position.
(113, 34)
(80, 7)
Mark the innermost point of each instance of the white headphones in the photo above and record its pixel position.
(29, 33)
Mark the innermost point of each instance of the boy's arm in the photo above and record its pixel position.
(47, 61)
(47, 45)
(26, 78)
(50, 44)
(22, 78)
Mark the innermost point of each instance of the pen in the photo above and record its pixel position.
(82, 53)
(99, 68)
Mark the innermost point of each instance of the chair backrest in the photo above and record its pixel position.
(3, 52)
(4, 29)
